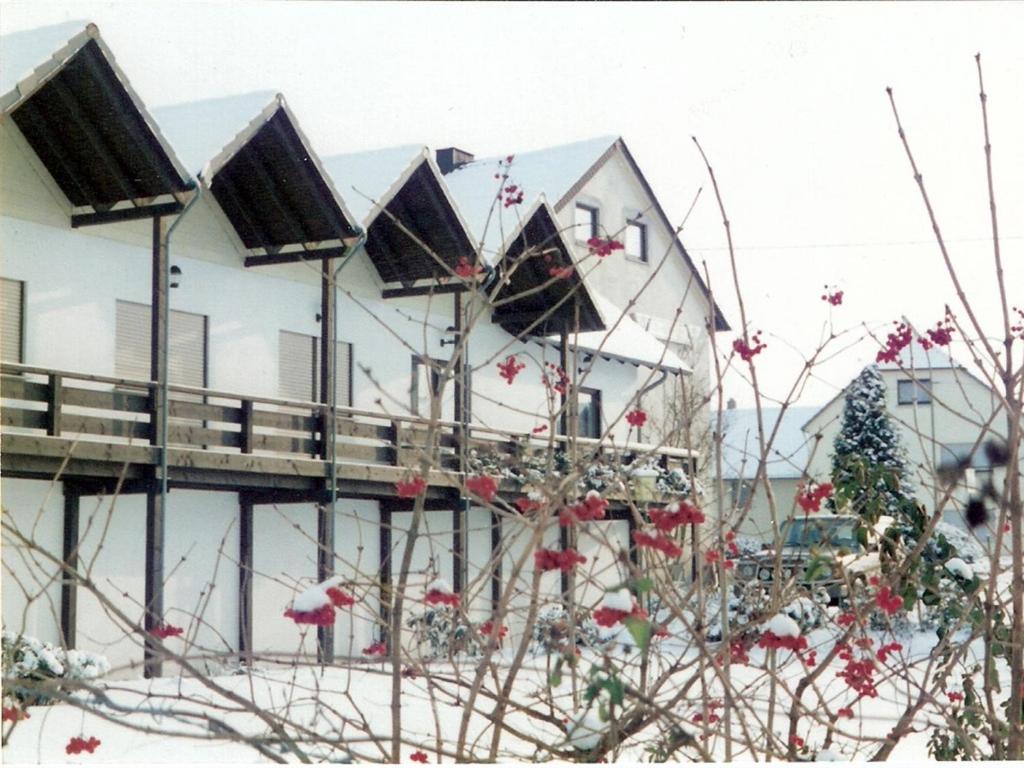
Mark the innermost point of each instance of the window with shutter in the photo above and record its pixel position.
(299, 368)
(186, 363)
(12, 304)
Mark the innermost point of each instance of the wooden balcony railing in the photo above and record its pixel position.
(107, 419)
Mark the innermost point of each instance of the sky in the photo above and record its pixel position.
(788, 101)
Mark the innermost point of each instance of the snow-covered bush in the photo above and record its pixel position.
(962, 542)
(808, 613)
(440, 632)
(551, 631)
(30, 666)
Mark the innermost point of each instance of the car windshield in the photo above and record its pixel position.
(813, 532)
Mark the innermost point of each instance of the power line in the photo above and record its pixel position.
(877, 244)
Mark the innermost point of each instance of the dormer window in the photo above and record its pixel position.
(586, 222)
(636, 240)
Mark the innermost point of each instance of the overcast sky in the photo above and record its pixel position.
(788, 101)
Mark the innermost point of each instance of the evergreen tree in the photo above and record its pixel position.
(868, 463)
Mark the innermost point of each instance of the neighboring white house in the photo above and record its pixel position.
(943, 412)
(786, 466)
(279, 253)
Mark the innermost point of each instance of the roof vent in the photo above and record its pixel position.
(450, 158)
(731, 404)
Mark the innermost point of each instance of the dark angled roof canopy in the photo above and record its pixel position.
(80, 116)
(532, 300)
(411, 222)
(265, 176)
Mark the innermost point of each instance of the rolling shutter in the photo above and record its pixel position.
(299, 368)
(187, 345)
(12, 298)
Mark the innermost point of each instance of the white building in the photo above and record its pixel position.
(278, 254)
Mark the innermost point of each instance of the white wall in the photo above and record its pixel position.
(31, 586)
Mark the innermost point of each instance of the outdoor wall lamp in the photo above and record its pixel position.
(175, 276)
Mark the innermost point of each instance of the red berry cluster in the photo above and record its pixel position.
(888, 602)
(418, 756)
(441, 597)
(885, 650)
(662, 543)
(859, 674)
(77, 745)
(600, 246)
(561, 273)
(465, 270)
(831, 296)
(410, 489)
(592, 507)
(674, 515)
(748, 351)
(555, 378)
(484, 486)
(636, 418)
(1018, 328)
(895, 343)
(771, 640)
(557, 560)
(939, 336)
(376, 649)
(13, 715)
(811, 496)
(163, 631)
(487, 630)
(510, 368)
(609, 617)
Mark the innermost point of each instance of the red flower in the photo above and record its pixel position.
(811, 496)
(888, 602)
(845, 619)
(509, 369)
(636, 418)
(484, 486)
(748, 351)
(13, 715)
(376, 649)
(465, 270)
(844, 712)
(321, 617)
(339, 598)
(602, 247)
(77, 745)
(410, 489)
(674, 515)
(895, 343)
(419, 757)
(487, 630)
(557, 560)
(661, 542)
(591, 508)
(163, 631)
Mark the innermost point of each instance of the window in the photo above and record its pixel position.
(589, 412)
(910, 392)
(587, 222)
(298, 373)
(12, 310)
(186, 362)
(636, 240)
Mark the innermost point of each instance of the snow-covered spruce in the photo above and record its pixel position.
(29, 659)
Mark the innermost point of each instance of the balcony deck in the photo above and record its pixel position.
(99, 430)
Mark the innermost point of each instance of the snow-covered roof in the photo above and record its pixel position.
(376, 175)
(551, 172)
(790, 450)
(916, 357)
(28, 59)
(625, 340)
(200, 130)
